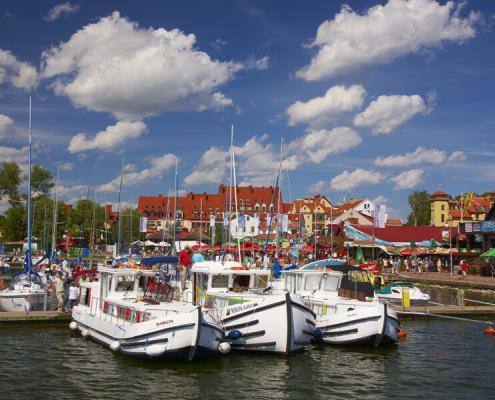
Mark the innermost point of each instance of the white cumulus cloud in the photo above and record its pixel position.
(408, 179)
(384, 33)
(5, 125)
(158, 166)
(112, 137)
(19, 74)
(257, 160)
(316, 145)
(349, 180)
(386, 113)
(420, 156)
(320, 111)
(115, 66)
(12, 154)
(61, 10)
(67, 166)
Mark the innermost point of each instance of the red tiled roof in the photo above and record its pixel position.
(406, 233)
(439, 193)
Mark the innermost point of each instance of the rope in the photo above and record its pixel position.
(478, 301)
(447, 317)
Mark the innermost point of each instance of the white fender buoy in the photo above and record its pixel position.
(73, 325)
(224, 347)
(115, 345)
(85, 332)
(155, 350)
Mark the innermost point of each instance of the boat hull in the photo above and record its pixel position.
(12, 301)
(367, 326)
(275, 324)
(183, 336)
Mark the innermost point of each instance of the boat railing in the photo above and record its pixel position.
(125, 314)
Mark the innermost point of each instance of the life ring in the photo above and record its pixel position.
(239, 268)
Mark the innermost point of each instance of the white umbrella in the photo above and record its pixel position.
(163, 244)
(149, 243)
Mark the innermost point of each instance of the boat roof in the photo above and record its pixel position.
(126, 271)
(226, 267)
(329, 265)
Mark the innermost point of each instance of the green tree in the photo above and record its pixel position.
(419, 202)
(80, 220)
(10, 179)
(130, 218)
(14, 224)
(41, 180)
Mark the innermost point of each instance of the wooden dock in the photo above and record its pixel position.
(422, 312)
(34, 317)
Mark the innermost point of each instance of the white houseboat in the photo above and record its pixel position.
(347, 312)
(133, 311)
(253, 317)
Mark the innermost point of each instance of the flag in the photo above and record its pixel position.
(143, 221)
(212, 220)
(380, 216)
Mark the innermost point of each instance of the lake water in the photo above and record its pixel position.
(438, 360)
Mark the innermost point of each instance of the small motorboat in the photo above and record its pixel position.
(393, 294)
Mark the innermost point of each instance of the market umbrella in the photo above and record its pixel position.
(433, 244)
(359, 254)
(489, 253)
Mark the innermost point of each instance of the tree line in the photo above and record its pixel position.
(85, 221)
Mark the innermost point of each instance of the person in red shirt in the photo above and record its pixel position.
(184, 264)
(464, 268)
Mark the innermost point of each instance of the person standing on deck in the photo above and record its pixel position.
(197, 257)
(59, 292)
(184, 264)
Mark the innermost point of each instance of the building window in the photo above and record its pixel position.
(443, 207)
(442, 218)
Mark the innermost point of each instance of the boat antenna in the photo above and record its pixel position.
(29, 205)
(235, 191)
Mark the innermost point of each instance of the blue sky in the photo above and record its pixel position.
(372, 99)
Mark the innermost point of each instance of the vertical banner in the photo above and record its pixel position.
(380, 216)
(284, 223)
(212, 220)
(143, 221)
(241, 223)
(256, 222)
(226, 219)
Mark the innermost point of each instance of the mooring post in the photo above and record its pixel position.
(460, 298)
(45, 300)
(406, 301)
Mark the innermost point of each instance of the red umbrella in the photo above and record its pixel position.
(407, 252)
(307, 249)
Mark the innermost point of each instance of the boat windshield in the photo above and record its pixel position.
(330, 283)
(260, 281)
(312, 282)
(240, 283)
(220, 281)
(125, 283)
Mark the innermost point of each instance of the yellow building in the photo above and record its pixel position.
(446, 210)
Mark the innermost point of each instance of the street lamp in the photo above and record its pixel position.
(447, 225)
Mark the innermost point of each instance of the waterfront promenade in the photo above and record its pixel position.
(472, 281)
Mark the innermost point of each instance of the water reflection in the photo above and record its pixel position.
(439, 359)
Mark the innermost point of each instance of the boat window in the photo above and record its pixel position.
(331, 283)
(241, 283)
(125, 284)
(312, 282)
(289, 282)
(299, 279)
(83, 296)
(260, 281)
(220, 281)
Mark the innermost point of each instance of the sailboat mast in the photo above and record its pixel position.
(175, 208)
(29, 222)
(235, 192)
(55, 216)
(278, 197)
(118, 208)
